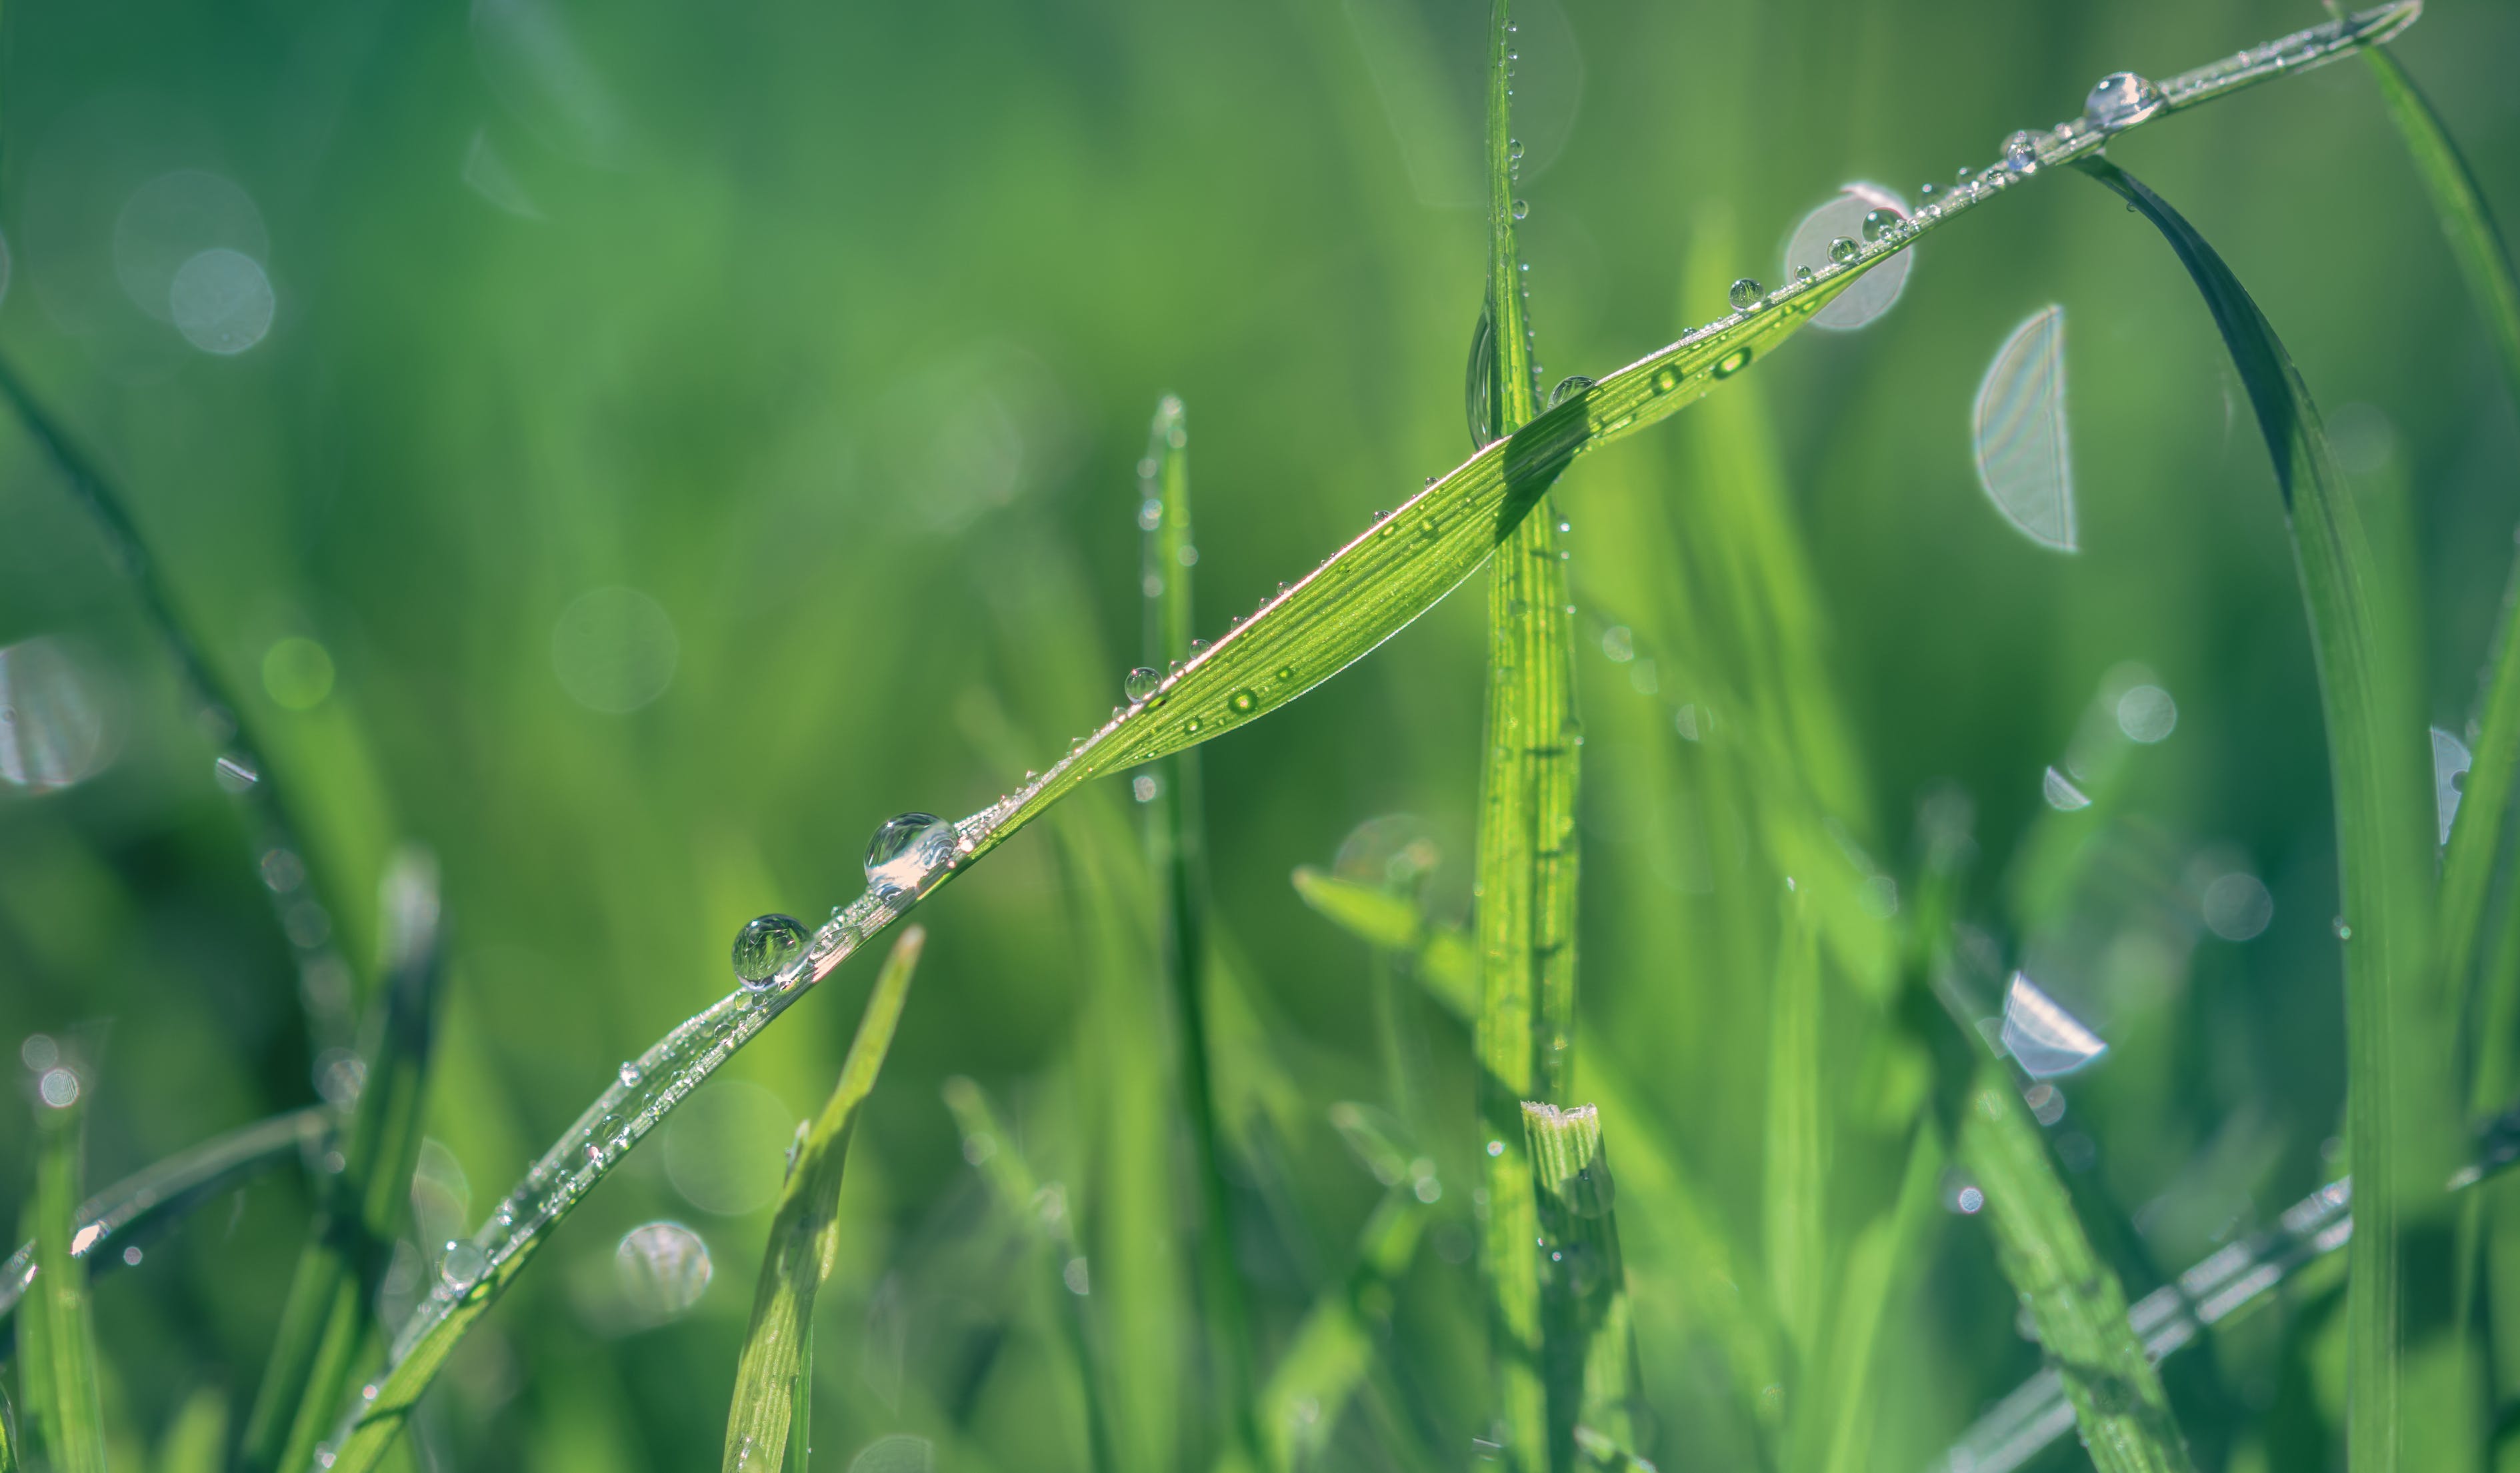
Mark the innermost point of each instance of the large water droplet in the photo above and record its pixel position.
(1141, 682)
(1746, 293)
(2021, 152)
(2121, 100)
(1880, 222)
(1521, 209)
(462, 1265)
(2042, 1036)
(765, 947)
(905, 851)
(2023, 452)
(1568, 387)
(1844, 251)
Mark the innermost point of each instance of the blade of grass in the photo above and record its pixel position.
(1177, 851)
(7, 1435)
(2074, 1300)
(197, 1440)
(329, 1324)
(324, 978)
(766, 1424)
(2476, 837)
(1840, 1419)
(1527, 848)
(1043, 1212)
(170, 1189)
(1794, 1208)
(1364, 594)
(57, 1335)
(1591, 1353)
(2401, 1132)
(1332, 1348)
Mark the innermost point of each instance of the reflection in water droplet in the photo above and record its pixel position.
(1567, 388)
(2237, 908)
(461, 1264)
(1746, 293)
(1841, 216)
(52, 726)
(2062, 794)
(1521, 209)
(2450, 762)
(1844, 251)
(2024, 457)
(905, 851)
(663, 1269)
(2021, 152)
(1141, 682)
(2120, 99)
(1878, 223)
(766, 946)
(2045, 1038)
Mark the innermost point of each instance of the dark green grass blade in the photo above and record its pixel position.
(1177, 851)
(2485, 261)
(57, 1335)
(328, 1325)
(773, 1374)
(2074, 1299)
(2401, 1135)
(1044, 1213)
(1592, 1341)
(1527, 848)
(1333, 1349)
(169, 1190)
(323, 977)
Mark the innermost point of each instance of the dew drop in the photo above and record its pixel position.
(1141, 682)
(461, 1265)
(2021, 152)
(1878, 223)
(629, 1075)
(1521, 209)
(1802, 276)
(765, 947)
(1844, 251)
(1666, 379)
(1190, 726)
(1928, 192)
(2120, 99)
(1286, 672)
(1242, 702)
(1733, 363)
(1746, 293)
(906, 850)
(1514, 148)
(1567, 388)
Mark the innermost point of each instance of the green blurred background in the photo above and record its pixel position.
(833, 333)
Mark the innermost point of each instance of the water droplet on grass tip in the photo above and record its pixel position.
(905, 851)
(2121, 100)
(1844, 251)
(2041, 1037)
(1141, 682)
(2024, 459)
(765, 947)
(2021, 152)
(1746, 293)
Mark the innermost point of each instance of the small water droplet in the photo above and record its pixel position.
(2121, 100)
(1803, 276)
(1746, 293)
(1242, 702)
(1666, 379)
(1190, 726)
(629, 1075)
(1733, 363)
(765, 947)
(2021, 152)
(1929, 192)
(1844, 251)
(1514, 148)
(1521, 209)
(2344, 932)
(1141, 682)
(1198, 647)
(905, 851)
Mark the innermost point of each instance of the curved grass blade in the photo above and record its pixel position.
(330, 1320)
(1177, 846)
(57, 1335)
(2485, 261)
(2024, 461)
(2073, 1297)
(1366, 592)
(765, 1430)
(1333, 1349)
(169, 1190)
(1527, 850)
(2401, 1122)
(1044, 1209)
(324, 978)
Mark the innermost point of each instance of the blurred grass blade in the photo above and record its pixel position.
(169, 1190)
(57, 1335)
(1044, 1213)
(1591, 1353)
(7, 1434)
(1177, 850)
(2485, 261)
(323, 979)
(329, 1324)
(1527, 851)
(2073, 1299)
(2402, 1134)
(196, 1441)
(1793, 1212)
(1840, 1419)
(773, 1376)
(1333, 1347)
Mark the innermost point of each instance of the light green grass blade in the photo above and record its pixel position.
(1835, 1426)
(1794, 1212)
(773, 1374)
(2476, 838)
(1592, 1340)
(2402, 1134)
(1043, 1212)
(2074, 1300)
(197, 1440)
(170, 1189)
(330, 1320)
(57, 1335)
(1332, 1348)
(1177, 851)
(1527, 850)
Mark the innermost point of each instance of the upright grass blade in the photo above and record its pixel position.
(323, 979)
(57, 1335)
(7, 1435)
(2074, 1300)
(2402, 1134)
(1834, 1428)
(1333, 1349)
(766, 1426)
(1527, 850)
(1175, 844)
(2476, 838)
(330, 1320)
(169, 1190)
(1043, 1209)
(1794, 1210)
(1592, 1348)
(1366, 592)
(197, 1440)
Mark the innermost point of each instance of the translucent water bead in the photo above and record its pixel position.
(1140, 683)
(765, 947)
(1746, 293)
(906, 850)
(2121, 100)
(2021, 152)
